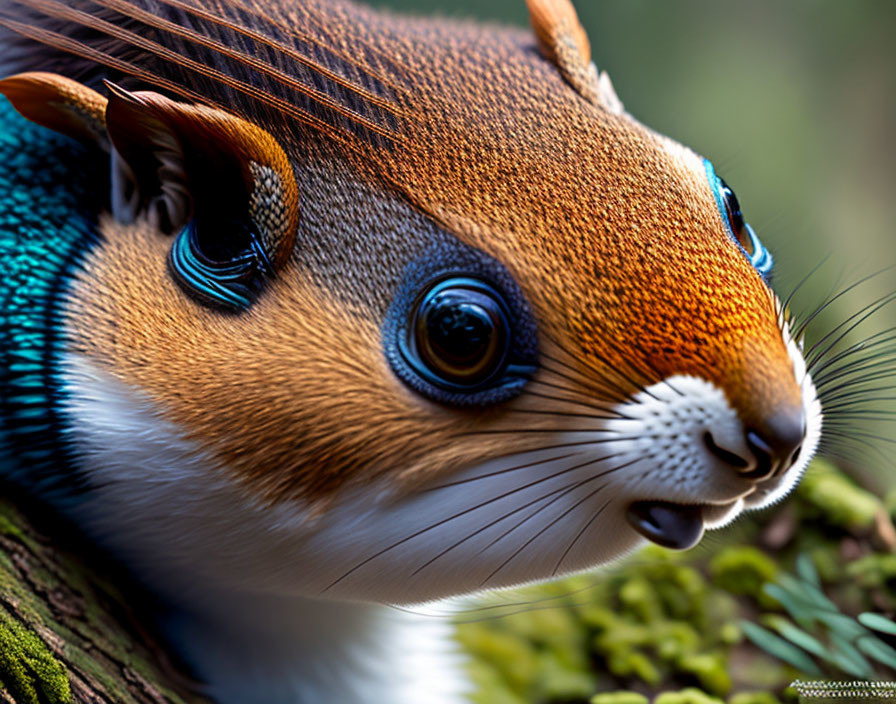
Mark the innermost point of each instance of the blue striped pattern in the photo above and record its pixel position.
(48, 200)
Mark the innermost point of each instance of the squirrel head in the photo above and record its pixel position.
(396, 308)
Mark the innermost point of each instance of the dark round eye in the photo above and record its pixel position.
(221, 264)
(459, 330)
(460, 333)
(729, 210)
(735, 216)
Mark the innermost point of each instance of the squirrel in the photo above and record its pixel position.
(311, 310)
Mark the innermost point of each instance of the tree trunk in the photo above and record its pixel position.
(68, 630)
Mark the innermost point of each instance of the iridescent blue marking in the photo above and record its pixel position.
(232, 285)
(760, 258)
(50, 192)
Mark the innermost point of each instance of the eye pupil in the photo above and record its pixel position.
(461, 333)
(732, 209)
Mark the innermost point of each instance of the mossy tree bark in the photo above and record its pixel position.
(68, 633)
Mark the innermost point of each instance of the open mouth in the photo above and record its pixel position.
(676, 526)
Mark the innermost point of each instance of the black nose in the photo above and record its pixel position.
(776, 443)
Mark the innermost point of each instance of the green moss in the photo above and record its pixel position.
(513, 658)
(711, 670)
(875, 570)
(619, 698)
(742, 569)
(662, 619)
(841, 502)
(560, 680)
(691, 695)
(28, 670)
(639, 598)
(754, 698)
(490, 687)
(675, 640)
(7, 527)
(631, 663)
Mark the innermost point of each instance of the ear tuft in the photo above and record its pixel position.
(60, 104)
(193, 160)
(149, 170)
(563, 41)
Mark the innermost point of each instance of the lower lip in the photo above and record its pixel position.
(670, 525)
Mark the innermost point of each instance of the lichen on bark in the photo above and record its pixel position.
(68, 634)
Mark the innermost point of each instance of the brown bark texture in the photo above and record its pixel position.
(69, 633)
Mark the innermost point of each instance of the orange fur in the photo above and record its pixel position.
(58, 103)
(563, 41)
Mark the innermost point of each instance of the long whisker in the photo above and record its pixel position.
(847, 326)
(860, 401)
(848, 432)
(78, 49)
(849, 372)
(825, 304)
(609, 366)
(568, 489)
(866, 413)
(851, 389)
(563, 515)
(506, 470)
(306, 61)
(52, 8)
(584, 404)
(355, 61)
(478, 531)
(562, 414)
(442, 522)
(867, 346)
(576, 377)
(580, 533)
(808, 276)
(147, 18)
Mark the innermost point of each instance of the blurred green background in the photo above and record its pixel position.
(795, 103)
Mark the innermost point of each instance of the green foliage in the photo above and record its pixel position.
(655, 622)
(837, 499)
(690, 695)
(741, 569)
(845, 647)
(619, 698)
(877, 622)
(754, 698)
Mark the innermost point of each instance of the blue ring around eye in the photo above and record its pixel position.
(715, 185)
(452, 260)
(761, 258)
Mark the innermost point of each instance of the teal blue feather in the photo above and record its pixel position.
(50, 193)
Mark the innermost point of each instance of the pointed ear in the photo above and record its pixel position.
(59, 103)
(563, 41)
(195, 163)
